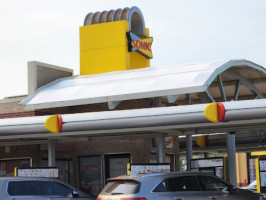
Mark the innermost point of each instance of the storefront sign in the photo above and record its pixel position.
(169, 142)
(141, 45)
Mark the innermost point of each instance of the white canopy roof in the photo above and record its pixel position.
(132, 84)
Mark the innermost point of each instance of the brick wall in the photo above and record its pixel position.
(25, 151)
(10, 108)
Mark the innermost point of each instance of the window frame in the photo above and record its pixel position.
(39, 181)
(202, 185)
(59, 184)
(137, 183)
(10, 181)
(195, 177)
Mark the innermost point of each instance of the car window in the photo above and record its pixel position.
(37, 188)
(24, 188)
(51, 188)
(122, 187)
(213, 184)
(182, 183)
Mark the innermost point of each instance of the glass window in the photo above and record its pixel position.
(213, 184)
(24, 188)
(90, 168)
(7, 166)
(183, 183)
(165, 186)
(122, 187)
(64, 169)
(51, 188)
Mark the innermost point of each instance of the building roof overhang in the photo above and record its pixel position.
(239, 116)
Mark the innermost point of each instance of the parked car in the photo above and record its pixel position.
(252, 186)
(173, 186)
(38, 189)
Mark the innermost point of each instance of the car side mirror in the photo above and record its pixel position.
(75, 194)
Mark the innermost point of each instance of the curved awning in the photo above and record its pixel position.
(223, 80)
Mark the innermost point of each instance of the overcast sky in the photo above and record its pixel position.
(184, 31)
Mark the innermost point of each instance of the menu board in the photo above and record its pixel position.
(262, 165)
(263, 179)
(252, 170)
(261, 174)
(38, 172)
(212, 162)
(149, 168)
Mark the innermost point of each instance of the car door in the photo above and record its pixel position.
(179, 188)
(217, 189)
(58, 191)
(214, 188)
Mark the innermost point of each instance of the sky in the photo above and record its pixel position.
(183, 31)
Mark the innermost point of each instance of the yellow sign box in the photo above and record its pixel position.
(104, 45)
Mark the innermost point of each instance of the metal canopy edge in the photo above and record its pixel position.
(240, 114)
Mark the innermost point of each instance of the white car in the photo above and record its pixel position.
(173, 186)
(252, 186)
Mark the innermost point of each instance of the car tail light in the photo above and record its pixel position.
(98, 198)
(134, 198)
(117, 179)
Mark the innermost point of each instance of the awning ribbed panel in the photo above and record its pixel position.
(132, 84)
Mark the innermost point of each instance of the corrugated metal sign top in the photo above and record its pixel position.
(131, 84)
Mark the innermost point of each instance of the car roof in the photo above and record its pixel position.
(158, 175)
(25, 178)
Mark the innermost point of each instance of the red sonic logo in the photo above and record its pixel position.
(142, 45)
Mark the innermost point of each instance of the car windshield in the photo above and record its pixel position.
(122, 187)
(254, 183)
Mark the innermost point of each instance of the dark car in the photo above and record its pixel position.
(173, 186)
(252, 186)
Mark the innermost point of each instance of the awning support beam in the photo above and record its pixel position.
(231, 152)
(51, 152)
(112, 104)
(244, 82)
(160, 141)
(237, 87)
(172, 98)
(221, 87)
(205, 97)
(189, 153)
(160, 148)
